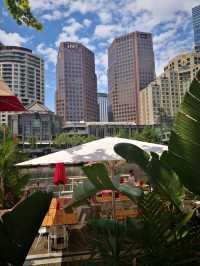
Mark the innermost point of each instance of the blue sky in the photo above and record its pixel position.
(95, 23)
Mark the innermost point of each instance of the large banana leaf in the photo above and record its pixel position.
(19, 227)
(81, 195)
(99, 179)
(98, 176)
(184, 145)
(161, 175)
(127, 150)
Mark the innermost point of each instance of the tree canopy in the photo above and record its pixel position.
(148, 134)
(20, 10)
(64, 139)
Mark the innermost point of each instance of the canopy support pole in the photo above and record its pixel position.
(113, 192)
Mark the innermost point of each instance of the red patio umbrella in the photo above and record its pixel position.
(9, 102)
(60, 175)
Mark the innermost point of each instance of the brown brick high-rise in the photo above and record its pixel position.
(76, 93)
(130, 68)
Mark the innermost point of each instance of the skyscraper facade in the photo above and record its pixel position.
(196, 26)
(24, 74)
(102, 99)
(76, 93)
(130, 68)
(161, 99)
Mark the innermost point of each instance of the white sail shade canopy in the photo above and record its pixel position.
(94, 151)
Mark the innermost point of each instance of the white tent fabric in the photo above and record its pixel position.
(94, 151)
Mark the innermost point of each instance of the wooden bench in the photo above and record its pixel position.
(123, 214)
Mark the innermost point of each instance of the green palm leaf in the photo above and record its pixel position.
(184, 145)
(19, 227)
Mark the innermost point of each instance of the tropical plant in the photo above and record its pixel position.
(184, 144)
(12, 180)
(110, 244)
(159, 236)
(21, 12)
(99, 179)
(158, 222)
(160, 175)
(166, 236)
(19, 227)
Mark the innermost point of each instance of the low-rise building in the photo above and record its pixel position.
(101, 129)
(38, 123)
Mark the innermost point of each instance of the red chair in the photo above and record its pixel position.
(122, 179)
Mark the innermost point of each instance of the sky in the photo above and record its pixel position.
(95, 23)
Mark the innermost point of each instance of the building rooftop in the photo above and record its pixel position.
(102, 94)
(85, 124)
(6, 47)
(38, 107)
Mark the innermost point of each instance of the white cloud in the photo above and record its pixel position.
(106, 31)
(69, 32)
(102, 60)
(87, 22)
(44, 5)
(172, 49)
(81, 6)
(12, 38)
(101, 80)
(163, 37)
(55, 15)
(105, 17)
(49, 53)
(87, 43)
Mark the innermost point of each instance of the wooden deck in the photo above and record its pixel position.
(56, 214)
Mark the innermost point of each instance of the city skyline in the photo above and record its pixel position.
(80, 21)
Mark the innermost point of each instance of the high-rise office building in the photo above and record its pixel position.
(24, 74)
(102, 99)
(161, 99)
(196, 27)
(130, 68)
(76, 93)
